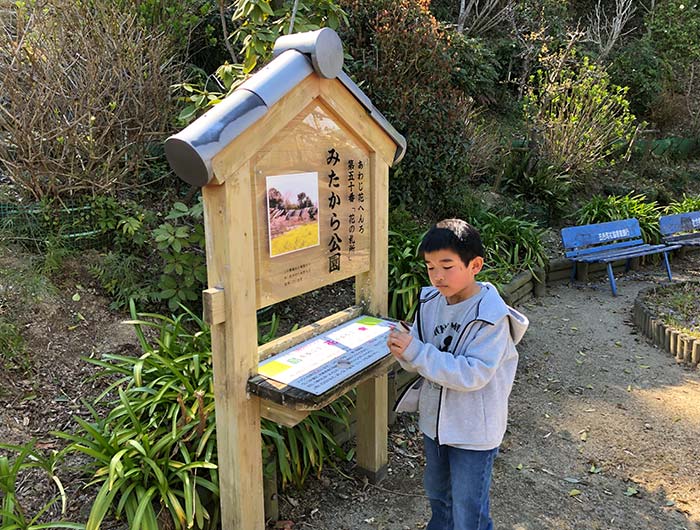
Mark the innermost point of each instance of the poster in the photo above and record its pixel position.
(292, 212)
(320, 363)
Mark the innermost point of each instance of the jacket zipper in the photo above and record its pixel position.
(437, 419)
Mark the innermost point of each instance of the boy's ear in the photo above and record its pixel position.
(476, 264)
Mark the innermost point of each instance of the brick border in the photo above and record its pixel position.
(685, 348)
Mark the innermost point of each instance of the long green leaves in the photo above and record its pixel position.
(154, 449)
(12, 514)
(601, 209)
(154, 452)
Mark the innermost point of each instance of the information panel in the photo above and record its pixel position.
(323, 362)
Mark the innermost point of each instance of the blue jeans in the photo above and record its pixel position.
(457, 483)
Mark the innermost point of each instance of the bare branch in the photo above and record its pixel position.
(477, 17)
(605, 32)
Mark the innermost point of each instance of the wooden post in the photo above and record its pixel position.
(230, 252)
(371, 290)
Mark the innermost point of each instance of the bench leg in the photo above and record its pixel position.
(668, 267)
(611, 277)
(573, 273)
(627, 264)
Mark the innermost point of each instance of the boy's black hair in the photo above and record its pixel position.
(456, 235)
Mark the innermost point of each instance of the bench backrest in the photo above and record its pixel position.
(588, 239)
(679, 223)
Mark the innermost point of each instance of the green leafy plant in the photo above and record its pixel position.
(258, 24)
(156, 446)
(154, 453)
(180, 242)
(12, 348)
(577, 118)
(686, 204)
(305, 448)
(403, 58)
(12, 514)
(512, 245)
(601, 209)
(407, 275)
(530, 179)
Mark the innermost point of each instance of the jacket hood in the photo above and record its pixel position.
(491, 309)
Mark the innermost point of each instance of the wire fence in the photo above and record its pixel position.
(40, 224)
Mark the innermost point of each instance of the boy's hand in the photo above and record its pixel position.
(398, 341)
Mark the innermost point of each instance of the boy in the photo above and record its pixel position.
(463, 344)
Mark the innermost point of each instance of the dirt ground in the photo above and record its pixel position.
(603, 426)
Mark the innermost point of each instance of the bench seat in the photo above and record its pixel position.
(609, 242)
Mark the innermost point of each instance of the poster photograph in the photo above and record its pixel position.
(292, 212)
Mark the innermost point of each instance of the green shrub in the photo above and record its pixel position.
(475, 69)
(686, 204)
(407, 274)
(577, 118)
(530, 179)
(181, 247)
(257, 25)
(156, 447)
(639, 67)
(402, 59)
(674, 26)
(601, 209)
(512, 245)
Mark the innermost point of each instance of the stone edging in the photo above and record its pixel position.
(685, 348)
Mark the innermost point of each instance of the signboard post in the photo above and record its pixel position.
(294, 173)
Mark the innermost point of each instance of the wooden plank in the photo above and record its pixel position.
(214, 303)
(371, 291)
(286, 416)
(229, 246)
(297, 337)
(337, 97)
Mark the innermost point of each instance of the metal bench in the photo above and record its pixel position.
(609, 242)
(681, 229)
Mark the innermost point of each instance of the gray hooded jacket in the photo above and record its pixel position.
(476, 374)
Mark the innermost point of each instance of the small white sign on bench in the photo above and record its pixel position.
(320, 363)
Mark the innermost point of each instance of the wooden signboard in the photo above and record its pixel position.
(294, 173)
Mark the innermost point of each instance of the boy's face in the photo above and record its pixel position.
(449, 274)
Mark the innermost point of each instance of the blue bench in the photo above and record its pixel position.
(681, 229)
(608, 242)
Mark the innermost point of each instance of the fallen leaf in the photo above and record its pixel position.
(574, 492)
(631, 491)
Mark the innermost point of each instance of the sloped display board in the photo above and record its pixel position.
(324, 362)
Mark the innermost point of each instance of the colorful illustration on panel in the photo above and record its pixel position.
(292, 206)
